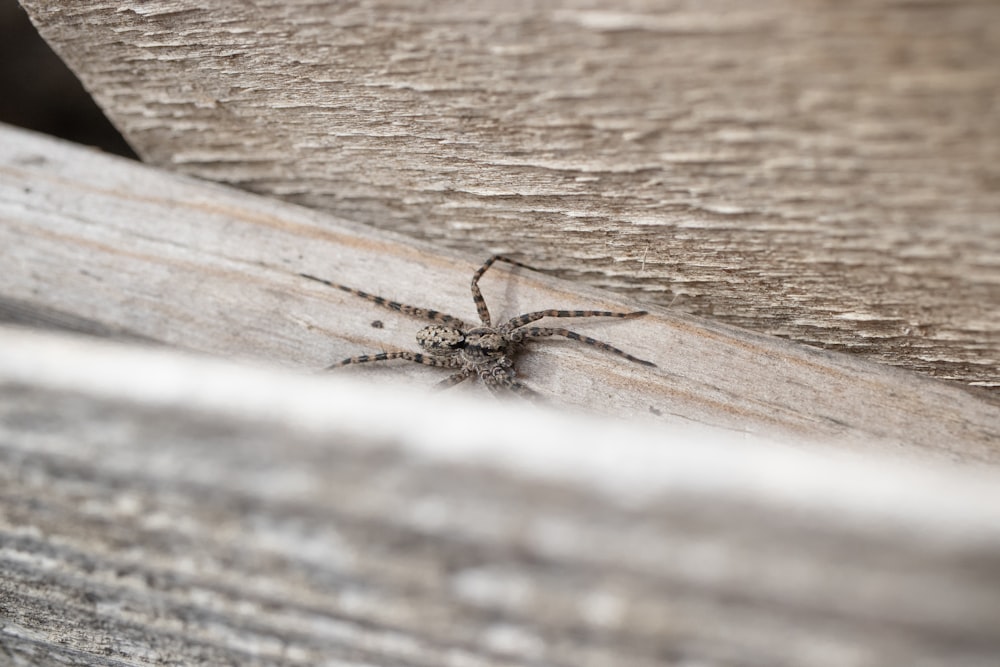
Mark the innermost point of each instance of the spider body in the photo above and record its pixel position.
(486, 351)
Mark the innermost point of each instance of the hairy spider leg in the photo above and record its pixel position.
(498, 387)
(447, 362)
(542, 332)
(477, 296)
(523, 391)
(452, 380)
(414, 311)
(528, 318)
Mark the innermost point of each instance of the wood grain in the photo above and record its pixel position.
(158, 509)
(822, 171)
(89, 241)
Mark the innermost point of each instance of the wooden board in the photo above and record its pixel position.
(823, 171)
(96, 243)
(158, 509)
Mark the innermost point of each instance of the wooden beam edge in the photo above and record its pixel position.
(216, 270)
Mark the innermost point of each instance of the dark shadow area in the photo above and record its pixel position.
(38, 92)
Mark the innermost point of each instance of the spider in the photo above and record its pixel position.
(485, 351)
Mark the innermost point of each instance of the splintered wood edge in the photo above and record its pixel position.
(155, 256)
(284, 517)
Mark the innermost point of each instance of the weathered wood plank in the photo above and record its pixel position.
(202, 267)
(824, 171)
(159, 510)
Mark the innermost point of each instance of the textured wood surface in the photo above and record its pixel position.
(162, 510)
(824, 171)
(94, 243)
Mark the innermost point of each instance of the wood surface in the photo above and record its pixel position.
(90, 242)
(159, 509)
(823, 171)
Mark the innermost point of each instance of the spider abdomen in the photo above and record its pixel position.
(437, 338)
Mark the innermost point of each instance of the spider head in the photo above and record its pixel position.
(485, 341)
(438, 339)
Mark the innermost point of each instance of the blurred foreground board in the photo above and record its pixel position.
(159, 509)
(106, 246)
(823, 171)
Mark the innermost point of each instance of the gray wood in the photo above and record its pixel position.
(159, 510)
(823, 171)
(167, 259)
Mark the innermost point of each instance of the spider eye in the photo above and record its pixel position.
(439, 338)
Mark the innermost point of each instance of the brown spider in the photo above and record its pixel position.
(486, 351)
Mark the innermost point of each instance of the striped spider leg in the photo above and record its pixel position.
(486, 351)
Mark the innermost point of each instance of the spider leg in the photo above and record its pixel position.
(528, 318)
(524, 391)
(541, 332)
(500, 381)
(414, 311)
(452, 380)
(386, 356)
(477, 296)
(513, 386)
